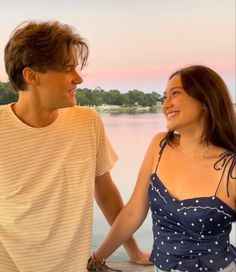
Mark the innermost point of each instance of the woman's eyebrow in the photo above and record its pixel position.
(173, 88)
(176, 87)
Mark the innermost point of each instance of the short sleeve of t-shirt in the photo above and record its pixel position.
(106, 156)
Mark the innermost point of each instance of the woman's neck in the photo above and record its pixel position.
(192, 147)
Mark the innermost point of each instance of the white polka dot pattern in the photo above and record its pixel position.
(190, 235)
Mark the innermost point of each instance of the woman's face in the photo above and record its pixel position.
(181, 110)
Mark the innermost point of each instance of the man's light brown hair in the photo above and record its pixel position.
(42, 46)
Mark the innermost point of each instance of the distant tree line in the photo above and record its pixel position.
(99, 96)
(95, 97)
(7, 93)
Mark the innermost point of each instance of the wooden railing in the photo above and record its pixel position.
(127, 266)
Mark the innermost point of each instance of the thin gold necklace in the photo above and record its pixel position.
(194, 155)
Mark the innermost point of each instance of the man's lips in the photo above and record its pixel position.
(72, 92)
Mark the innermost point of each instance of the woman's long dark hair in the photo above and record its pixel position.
(205, 85)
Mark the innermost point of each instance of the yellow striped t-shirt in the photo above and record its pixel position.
(46, 190)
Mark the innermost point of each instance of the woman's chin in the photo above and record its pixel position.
(171, 127)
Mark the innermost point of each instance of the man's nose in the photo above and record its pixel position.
(77, 78)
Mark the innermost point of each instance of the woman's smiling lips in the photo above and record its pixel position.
(171, 114)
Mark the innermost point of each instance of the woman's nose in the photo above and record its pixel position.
(167, 102)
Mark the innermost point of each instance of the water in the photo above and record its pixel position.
(130, 136)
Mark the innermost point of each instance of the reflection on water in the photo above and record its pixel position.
(130, 136)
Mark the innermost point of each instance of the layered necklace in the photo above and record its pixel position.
(194, 155)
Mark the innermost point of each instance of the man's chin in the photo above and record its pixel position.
(71, 103)
(67, 105)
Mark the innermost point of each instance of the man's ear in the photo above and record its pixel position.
(30, 76)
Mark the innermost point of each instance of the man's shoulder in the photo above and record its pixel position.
(80, 113)
(3, 109)
(79, 110)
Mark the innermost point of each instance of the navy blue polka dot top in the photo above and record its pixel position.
(191, 235)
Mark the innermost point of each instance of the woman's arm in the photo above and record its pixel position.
(135, 211)
(110, 202)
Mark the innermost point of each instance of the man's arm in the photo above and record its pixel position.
(110, 202)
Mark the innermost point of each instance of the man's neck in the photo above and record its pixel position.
(34, 116)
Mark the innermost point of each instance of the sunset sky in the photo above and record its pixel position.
(136, 44)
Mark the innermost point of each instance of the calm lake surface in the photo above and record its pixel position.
(130, 135)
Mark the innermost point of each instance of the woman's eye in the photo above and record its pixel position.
(174, 93)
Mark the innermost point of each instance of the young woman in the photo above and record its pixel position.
(187, 179)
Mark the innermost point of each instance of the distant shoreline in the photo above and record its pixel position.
(125, 109)
(115, 109)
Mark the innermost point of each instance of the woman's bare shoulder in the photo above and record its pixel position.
(157, 140)
(159, 137)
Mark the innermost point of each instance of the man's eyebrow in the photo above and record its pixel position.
(71, 66)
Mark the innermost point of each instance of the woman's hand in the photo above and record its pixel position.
(139, 257)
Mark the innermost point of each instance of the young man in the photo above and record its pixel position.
(54, 155)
